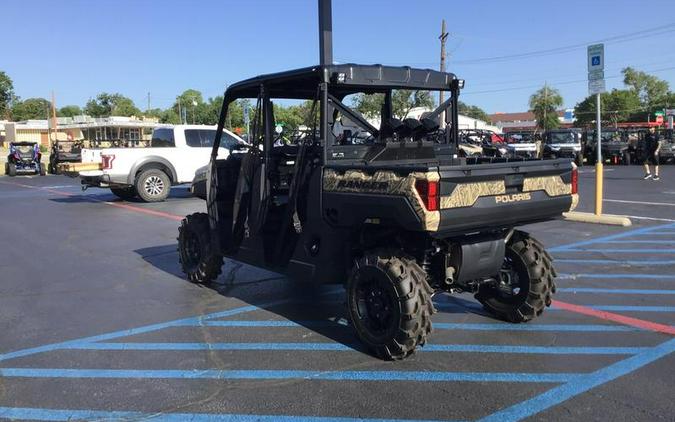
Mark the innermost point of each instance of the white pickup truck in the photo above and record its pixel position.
(175, 153)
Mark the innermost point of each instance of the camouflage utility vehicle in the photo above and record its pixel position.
(392, 212)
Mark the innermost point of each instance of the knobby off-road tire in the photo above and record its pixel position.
(198, 259)
(153, 185)
(125, 193)
(532, 281)
(389, 303)
(42, 169)
(11, 169)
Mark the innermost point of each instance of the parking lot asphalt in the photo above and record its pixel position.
(98, 323)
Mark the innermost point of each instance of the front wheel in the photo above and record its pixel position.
(390, 304)
(153, 185)
(198, 259)
(42, 169)
(525, 284)
(11, 169)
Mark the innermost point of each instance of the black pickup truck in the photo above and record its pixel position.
(390, 211)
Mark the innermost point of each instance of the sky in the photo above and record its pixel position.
(79, 48)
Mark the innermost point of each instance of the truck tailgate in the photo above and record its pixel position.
(504, 194)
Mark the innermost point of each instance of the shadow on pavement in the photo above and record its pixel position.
(308, 305)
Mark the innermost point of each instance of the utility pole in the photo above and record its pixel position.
(443, 37)
(56, 134)
(148, 109)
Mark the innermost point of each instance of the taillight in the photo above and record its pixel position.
(429, 192)
(575, 180)
(107, 161)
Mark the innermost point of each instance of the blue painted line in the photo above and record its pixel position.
(26, 413)
(611, 237)
(646, 262)
(642, 242)
(613, 276)
(659, 251)
(616, 291)
(230, 323)
(424, 376)
(534, 327)
(197, 320)
(469, 348)
(437, 326)
(580, 385)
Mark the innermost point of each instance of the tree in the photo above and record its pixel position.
(69, 111)
(31, 108)
(6, 95)
(106, 105)
(474, 112)
(615, 106)
(650, 89)
(544, 104)
(187, 104)
(402, 101)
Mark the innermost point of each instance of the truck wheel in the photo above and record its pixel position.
(125, 193)
(42, 169)
(197, 257)
(526, 281)
(390, 304)
(626, 158)
(11, 169)
(153, 185)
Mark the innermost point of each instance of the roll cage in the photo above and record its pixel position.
(327, 86)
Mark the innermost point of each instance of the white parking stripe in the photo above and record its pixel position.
(623, 201)
(638, 217)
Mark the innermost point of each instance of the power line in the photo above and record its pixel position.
(660, 30)
(557, 83)
(631, 36)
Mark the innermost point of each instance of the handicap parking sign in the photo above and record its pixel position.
(595, 61)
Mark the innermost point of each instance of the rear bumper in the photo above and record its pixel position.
(98, 179)
(485, 214)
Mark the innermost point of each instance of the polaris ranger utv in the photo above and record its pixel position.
(391, 212)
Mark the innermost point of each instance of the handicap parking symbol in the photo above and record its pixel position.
(595, 61)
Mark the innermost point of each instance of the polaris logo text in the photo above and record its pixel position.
(516, 197)
(362, 185)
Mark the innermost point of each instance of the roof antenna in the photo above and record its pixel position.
(325, 33)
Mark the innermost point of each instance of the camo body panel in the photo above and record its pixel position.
(552, 185)
(387, 183)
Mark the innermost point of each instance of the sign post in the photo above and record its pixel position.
(596, 85)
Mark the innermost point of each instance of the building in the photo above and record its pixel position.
(526, 120)
(81, 128)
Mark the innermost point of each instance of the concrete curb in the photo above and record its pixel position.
(587, 217)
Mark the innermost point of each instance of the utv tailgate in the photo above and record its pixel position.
(503, 194)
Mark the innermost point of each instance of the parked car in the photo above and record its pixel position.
(24, 157)
(64, 152)
(563, 143)
(172, 159)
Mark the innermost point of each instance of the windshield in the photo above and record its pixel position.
(611, 136)
(562, 138)
(519, 138)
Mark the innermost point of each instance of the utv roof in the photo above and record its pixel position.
(343, 78)
(23, 143)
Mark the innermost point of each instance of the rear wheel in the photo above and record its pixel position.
(11, 169)
(153, 185)
(125, 193)
(197, 256)
(390, 304)
(525, 284)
